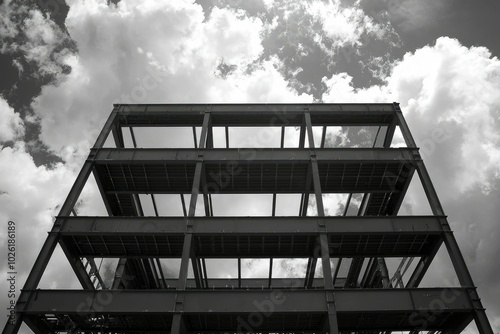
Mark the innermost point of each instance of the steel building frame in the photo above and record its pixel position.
(141, 299)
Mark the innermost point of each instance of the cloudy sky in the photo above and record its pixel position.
(64, 65)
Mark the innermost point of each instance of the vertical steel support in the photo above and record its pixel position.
(178, 325)
(188, 247)
(204, 187)
(381, 264)
(12, 326)
(239, 272)
(302, 136)
(197, 271)
(282, 141)
(186, 251)
(115, 127)
(311, 269)
(210, 132)
(336, 272)
(384, 273)
(323, 137)
(75, 262)
(194, 137)
(305, 196)
(269, 283)
(391, 128)
(48, 248)
(112, 125)
(421, 268)
(78, 268)
(324, 252)
(405, 130)
(311, 264)
(204, 266)
(454, 252)
(158, 264)
(119, 273)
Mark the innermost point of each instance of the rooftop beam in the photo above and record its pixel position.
(256, 114)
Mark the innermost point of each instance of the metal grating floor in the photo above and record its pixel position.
(384, 181)
(230, 246)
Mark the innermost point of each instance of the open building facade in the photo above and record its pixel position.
(171, 228)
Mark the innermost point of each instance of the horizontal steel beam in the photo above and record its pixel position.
(199, 301)
(256, 114)
(253, 155)
(151, 226)
(245, 171)
(251, 237)
(232, 310)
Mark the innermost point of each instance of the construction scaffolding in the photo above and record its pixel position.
(348, 285)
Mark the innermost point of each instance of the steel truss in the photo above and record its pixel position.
(142, 299)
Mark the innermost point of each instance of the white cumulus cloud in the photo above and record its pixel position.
(11, 124)
(449, 97)
(153, 52)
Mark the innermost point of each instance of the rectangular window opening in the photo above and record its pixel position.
(292, 136)
(287, 205)
(255, 268)
(255, 137)
(127, 137)
(171, 204)
(334, 203)
(222, 268)
(200, 205)
(164, 137)
(171, 268)
(219, 133)
(147, 205)
(355, 136)
(290, 268)
(242, 205)
(317, 132)
(354, 204)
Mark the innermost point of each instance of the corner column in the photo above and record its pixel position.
(454, 252)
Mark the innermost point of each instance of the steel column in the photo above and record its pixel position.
(111, 123)
(333, 325)
(48, 248)
(188, 247)
(454, 252)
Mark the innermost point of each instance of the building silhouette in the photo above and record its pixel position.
(349, 285)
